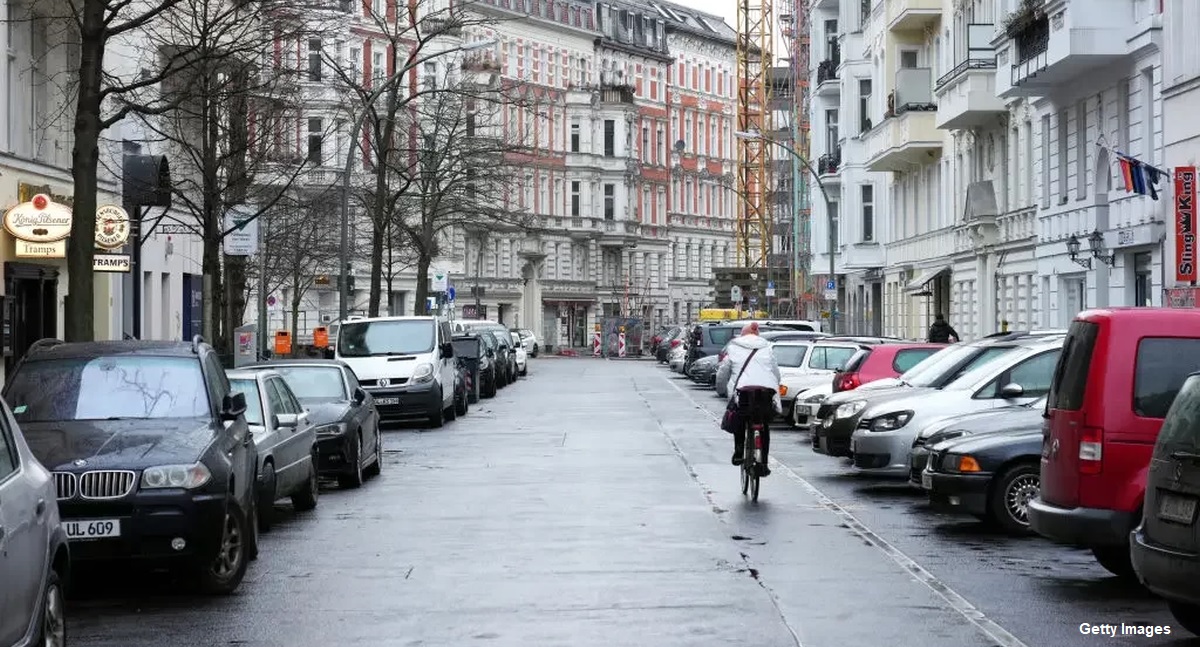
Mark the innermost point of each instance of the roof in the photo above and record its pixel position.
(47, 349)
(683, 18)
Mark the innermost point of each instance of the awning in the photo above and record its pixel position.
(918, 284)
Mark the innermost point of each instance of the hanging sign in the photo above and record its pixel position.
(112, 227)
(41, 227)
(111, 263)
(1185, 224)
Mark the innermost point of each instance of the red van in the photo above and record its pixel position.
(1118, 374)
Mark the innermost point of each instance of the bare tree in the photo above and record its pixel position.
(298, 247)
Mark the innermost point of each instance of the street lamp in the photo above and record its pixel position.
(344, 256)
(1073, 247)
(754, 134)
(1096, 242)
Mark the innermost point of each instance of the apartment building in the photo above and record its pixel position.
(1181, 133)
(35, 158)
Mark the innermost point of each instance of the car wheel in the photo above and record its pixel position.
(376, 465)
(491, 387)
(222, 572)
(53, 629)
(460, 405)
(1187, 615)
(306, 498)
(451, 412)
(1008, 506)
(354, 479)
(1115, 559)
(266, 498)
(438, 417)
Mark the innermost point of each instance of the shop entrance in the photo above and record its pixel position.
(30, 308)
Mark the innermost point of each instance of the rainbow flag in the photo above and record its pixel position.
(1139, 178)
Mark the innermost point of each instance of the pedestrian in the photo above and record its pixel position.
(753, 390)
(941, 332)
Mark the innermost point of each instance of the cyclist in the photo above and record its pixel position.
(754, 380)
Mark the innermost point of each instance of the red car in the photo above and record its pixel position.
(879, 362)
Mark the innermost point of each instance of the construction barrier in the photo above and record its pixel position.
(624, 337)
(621, 342)
(596, 342)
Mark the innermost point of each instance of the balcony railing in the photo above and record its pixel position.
(913, 93)
(961, 68)
(826, 71)
(829, 163)
(1032, 40)
(616, 94)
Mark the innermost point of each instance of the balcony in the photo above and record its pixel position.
(1046, 45)
(829, 164)
(863, 256)
(908, 135)
(966, 96)
(913, 15)
(616, 94)
(827, 77)
(618, 233)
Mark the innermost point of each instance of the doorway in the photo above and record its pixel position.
(30, 308)
(877, 308)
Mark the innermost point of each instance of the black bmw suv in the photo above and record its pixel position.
(151, 454)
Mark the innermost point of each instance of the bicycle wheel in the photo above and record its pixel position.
(752, 449)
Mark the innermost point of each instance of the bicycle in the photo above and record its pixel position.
(752, 459)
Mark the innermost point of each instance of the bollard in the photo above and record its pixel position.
(596, 342)
(621, 342)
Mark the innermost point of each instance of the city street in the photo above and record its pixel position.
(594, 505)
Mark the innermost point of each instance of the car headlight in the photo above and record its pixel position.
(850, 409)
(186, 477)
(329, 430)
(943, 435)
(423, 373)
(891, 421)
(961, 463)
(813, 399)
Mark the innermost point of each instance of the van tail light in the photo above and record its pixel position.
(675, 343)
(1091, 450)
(847, 382)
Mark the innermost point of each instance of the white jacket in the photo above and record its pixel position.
(763, 370)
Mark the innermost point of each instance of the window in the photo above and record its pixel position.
(575, 197)
(864, 12)
(834, 223)
(830, 358)
(610, 138)
(431, 74)
(645, 152)
(1062, 156)
(910, 357)
(1181, 427)
(574, 137)
(137, 387)
(378, 8)
(1148, 116)
(1071, 375)
(314, 382)
(610, 201)
(1081, 150)
(378, 338)
(1142, 280)
(831, 130)
(314, 59)
(790, 355)
(1046, 162)
(8, 452)
(1161, 366)
(356, 64)
(315, 137)
(254, 405)
(1033, 375)
(868, 213)
(377, 68)
(864, 105)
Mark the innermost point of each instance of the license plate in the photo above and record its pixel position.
(1176, 508)
(927, 480)
(384, 402)
(93, 529)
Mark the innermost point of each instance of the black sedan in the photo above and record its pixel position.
(1021, 416)
(349, 446)
(992, 476)
(474, 358)
(704, 370)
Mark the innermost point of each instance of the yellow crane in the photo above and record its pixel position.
(755, 44)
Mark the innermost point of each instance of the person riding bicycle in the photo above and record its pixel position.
(754, 382)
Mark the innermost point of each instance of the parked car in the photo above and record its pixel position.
(151, 454)
(1165, 547)
(1017, 416)
(345, 416)
(704, 370)
(508, 357)
(407, 363)
(876, 362)
(498, 358)
(802, 325)
(886, 430)
(676, 360)
(522, 355)
(35, 562)
(1119, 373)
(805, 365)
(529, 341)
(462, 388)
(473, 358)
(807, 402)
(285, 439)
(992, 476)
(832, 435)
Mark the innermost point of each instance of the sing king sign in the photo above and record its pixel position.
(1185, 224)
(40, 226)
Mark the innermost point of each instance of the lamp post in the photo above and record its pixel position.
(361, 116)
(754, 134)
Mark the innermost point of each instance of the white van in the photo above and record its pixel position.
(802, 325)
(406, 363)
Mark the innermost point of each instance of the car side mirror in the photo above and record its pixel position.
(1012, 390)
(447, 350)
(286, 420)
(360, 396)
(233, 405)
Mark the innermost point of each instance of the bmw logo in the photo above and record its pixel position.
(384, 382)
(79, 462)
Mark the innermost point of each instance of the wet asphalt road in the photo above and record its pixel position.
(593, 503)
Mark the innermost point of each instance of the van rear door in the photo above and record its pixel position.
(1065, 419)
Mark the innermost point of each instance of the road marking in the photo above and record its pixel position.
(953, 600)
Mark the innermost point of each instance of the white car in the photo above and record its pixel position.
(528, 340)
(807, 403)
(676, 358)
(804, 365)
(522, 355)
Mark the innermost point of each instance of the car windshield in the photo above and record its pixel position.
(314, 382)
(935, 368)
(985, 367)
(466, 348)
(516, 337)
(109, 388)
(721, 335)
(790, 356)
(249, 388)
(386, 337)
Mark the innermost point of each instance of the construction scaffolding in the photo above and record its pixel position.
(755, 44)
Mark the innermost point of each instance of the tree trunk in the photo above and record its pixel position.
(235, 266)
(423, 263)
(79, 315)
(235, 291)
(376, 270)
(297, 297)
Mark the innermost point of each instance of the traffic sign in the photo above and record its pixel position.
(753, 300)
(271, 300)
(770, 285)
(831, 295)
(771, 291)
(450, 293)
(440, 281)
(831, 284)
(735, 293)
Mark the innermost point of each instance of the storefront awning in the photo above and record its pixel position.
(918, 284)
